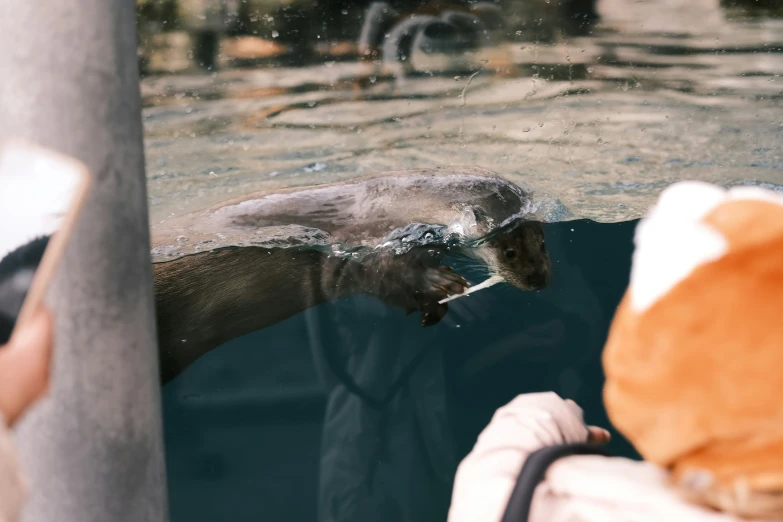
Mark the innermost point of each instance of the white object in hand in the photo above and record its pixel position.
(495, 279)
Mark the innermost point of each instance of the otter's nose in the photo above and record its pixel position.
(538, 280)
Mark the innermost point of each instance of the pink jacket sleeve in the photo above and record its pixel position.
(486, 477)
(586, 488)
(13, 489)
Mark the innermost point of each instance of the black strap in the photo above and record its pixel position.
(533, 471)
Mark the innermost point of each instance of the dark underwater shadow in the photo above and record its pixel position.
(244, 426)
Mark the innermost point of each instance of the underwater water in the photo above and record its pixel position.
(246, 435)
(270, 425)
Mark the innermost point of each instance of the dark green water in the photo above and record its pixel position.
(259, 428)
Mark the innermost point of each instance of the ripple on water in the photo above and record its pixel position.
(598, 125)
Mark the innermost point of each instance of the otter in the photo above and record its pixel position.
(272, 255)
(392, 30)
(449, 29)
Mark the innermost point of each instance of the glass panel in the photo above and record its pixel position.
(311, 371)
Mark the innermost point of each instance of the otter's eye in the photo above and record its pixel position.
(511, 253)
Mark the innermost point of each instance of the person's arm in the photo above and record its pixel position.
(486, 477)
(24, 378)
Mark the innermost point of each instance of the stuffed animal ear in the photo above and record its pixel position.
(706, 292)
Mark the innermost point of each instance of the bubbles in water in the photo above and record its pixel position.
(416, 234)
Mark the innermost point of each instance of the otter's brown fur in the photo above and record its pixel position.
(208, 298)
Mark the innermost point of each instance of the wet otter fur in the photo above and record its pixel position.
(208, 298)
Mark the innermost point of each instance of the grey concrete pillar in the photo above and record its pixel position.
(68, 80)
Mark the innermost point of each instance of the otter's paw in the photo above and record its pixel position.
(437, 284)
(413, 282)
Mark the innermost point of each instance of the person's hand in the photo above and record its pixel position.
(487, 476)
(24, 365)
(595, 434)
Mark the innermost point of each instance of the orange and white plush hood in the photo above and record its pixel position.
(694, 359)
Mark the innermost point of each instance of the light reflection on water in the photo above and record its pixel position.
(596, 124)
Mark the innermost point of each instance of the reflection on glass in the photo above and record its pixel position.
(275, 116)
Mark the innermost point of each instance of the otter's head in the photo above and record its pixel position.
(519, 256)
